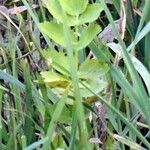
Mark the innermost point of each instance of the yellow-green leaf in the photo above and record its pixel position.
(54, 80)
(74, 7)
(92, 69)
(54, 31)
(57, 60)
(91, 13)
(87, 36)
(55, 9)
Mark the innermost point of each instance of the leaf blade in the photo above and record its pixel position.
(87, 36)
(74, 7)
(54, 31)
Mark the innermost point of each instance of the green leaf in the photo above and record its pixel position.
(57, 113)
(11, 79)
(54, 31)
(59, 142)
(92, 68)
(54, 8)
(87, 36)
(29, 101)
(142, 70)
(53, 79)
(74, 7)
(65, 118)
(124, 119)
(3, 88)
(91, 13)
(57, 60)
(96, 85)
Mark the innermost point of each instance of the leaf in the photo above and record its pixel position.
(57, 113)
(64, 118)
(59, 142)
(87, 36)
(96, 85)
(92, 68)
(36, 144)
(142, 71)
(74, 7)
(54, 31)
(128, 142)
(7, 77)
(3, 88)
(54, 8)
(134, 96)
(53, 79)
(58, 60)
(91, 13)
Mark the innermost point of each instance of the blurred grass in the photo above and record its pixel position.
(31, 111)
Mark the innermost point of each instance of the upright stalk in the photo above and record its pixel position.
(75, 84)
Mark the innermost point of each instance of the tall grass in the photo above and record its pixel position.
(36, 114)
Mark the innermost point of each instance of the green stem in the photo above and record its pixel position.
(75, 84)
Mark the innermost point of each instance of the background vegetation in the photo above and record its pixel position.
(74, 74)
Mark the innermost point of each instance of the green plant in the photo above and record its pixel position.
(70, 69)
(85, 91)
